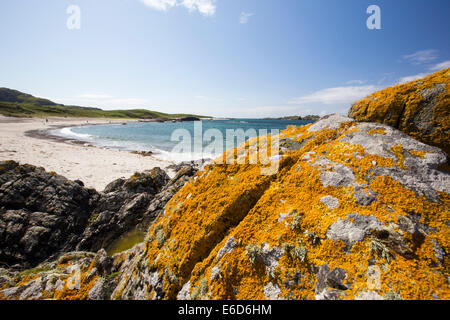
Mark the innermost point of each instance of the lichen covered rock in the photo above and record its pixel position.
(419, 108)
(360, 211)
(353, 211)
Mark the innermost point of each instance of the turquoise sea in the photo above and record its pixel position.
(162, 137)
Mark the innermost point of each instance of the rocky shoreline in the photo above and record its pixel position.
(44, 214)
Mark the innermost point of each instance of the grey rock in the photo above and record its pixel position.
(227, 248)
(439, 252)
(272, 291)
(329, 285)
(353, 229)
(33, 290)
(215, 271)
(330, 202)
(184, 292)
(363, 198)
(287, 144)
(271, 256)
(98, 291)
(11, 292)
(335, 174)
(332, 121)
(369, 295)
(420, 175)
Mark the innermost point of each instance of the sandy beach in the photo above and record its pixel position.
(23, 140)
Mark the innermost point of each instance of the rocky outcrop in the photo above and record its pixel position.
(419, 108)
(122, 206)
(129, 204)
(355, 211)
(43, 214)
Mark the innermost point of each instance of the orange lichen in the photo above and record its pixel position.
(400, 106)
(420, 154)
(376, 131)
(80, 293)
(398, 150)
(234, 233)
(283, 213)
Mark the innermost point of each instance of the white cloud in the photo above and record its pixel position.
(205, 7)
(336, 95)
(244, 17)
(162, 5)
(94, 96)
(355, 82)
(440, 66)
(420, 57)
(104, 101)
(436, 67)
(411, 78)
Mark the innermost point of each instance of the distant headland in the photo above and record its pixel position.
(14, 103)
(308, 117)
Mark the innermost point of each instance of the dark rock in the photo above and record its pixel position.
(189, 119)
(196, 164)
(149, 182)
(129, 204)
(289, 144)
(114, 186)
(329, 283)
(143, 153)
(41, 214)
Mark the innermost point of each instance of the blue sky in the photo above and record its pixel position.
(232, 58)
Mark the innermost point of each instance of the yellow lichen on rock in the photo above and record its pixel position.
(336, 221)
(350, 210)
(376, 131)
(420, 108)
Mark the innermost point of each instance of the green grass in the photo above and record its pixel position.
(17, 104)
(35, 271)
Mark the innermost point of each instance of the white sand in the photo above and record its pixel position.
(95, 166)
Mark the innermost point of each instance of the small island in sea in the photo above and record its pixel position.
(308, 118)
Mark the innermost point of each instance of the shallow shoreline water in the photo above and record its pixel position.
(176, 142)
